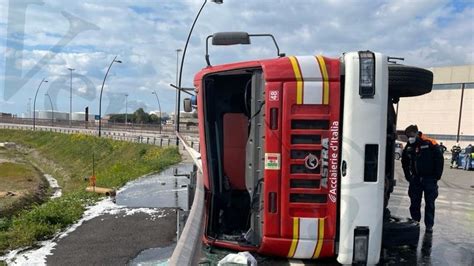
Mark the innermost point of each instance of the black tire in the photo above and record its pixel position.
(397, 156)
(400, 232)
(408, 81)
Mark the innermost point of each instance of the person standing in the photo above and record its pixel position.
(442, 147)
(455, 151)
(468, 157)
(422, 162)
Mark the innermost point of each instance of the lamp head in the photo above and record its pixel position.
(218, 1)
(118, 61)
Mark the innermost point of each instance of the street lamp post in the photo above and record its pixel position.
(159, 106)
(52, 109)
(126, 110)
(102, 89)
(29, 108)
(34, 103)
(176, 111)
(178, 98)
(70, 97)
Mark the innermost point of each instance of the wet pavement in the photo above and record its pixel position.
(158, 190)
(452, 240)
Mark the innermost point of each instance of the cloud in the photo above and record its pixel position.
(145, 35)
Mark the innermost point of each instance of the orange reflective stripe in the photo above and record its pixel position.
(299, 79)
(294, 242)
(324, 74)
(320, 239)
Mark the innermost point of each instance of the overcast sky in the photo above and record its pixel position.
(43, 38)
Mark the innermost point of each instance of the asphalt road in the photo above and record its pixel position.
(452, 241)
(114, 239)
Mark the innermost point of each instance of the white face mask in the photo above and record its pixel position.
(411, 140)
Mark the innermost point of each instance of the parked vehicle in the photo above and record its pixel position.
(294, 151)
(398, 150)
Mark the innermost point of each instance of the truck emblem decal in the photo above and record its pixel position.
(272, 161)
(311, 161)
(274, 96)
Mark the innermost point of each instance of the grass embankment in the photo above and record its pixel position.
(69, 159)
(21, 184)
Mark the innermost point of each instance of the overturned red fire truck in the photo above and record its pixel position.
(297, 151)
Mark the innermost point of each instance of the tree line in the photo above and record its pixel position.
(139, 116)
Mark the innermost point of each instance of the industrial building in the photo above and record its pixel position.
(447, 113)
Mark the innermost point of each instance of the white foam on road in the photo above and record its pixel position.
(53, 183)
(105, 206)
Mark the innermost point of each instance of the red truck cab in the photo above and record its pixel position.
(297, 154)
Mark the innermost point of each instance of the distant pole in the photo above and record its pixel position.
(176, 111)
(460, 112)
(34, 103)
(70, 97)
(180, 79)
(159, 106)
(52, 109)
(102, 89)
(126, 110)
(29, 108)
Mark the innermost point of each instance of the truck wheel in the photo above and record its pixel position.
(408, 81)
(397, 156)
(400, 232)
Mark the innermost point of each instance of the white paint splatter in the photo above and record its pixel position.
(53, 183)
(105, 206)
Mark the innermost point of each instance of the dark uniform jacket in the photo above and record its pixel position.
(423, 159)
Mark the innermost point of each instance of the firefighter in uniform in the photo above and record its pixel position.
(422, 162)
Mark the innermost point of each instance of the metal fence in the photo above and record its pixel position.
(130, 136)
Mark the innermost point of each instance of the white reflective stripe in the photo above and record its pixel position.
(308, 228)
(305, 249)
(312, 92)
(308, 238)
(309, 67)
(312, 80)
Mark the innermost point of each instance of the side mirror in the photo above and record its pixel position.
(187, 105)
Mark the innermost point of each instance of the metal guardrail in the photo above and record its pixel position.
(188, 248)
(152, 139)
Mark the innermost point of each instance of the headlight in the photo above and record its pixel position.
(367, 74)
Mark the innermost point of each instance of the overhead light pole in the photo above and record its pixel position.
(178, 98)
(34, 103)
(102, 89)
(29, 108)
(70, 98)
(159, 106)
(52, 109)
(126, 109)
(176, 111)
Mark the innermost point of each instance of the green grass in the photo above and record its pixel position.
(9, 169)
(116, 163)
